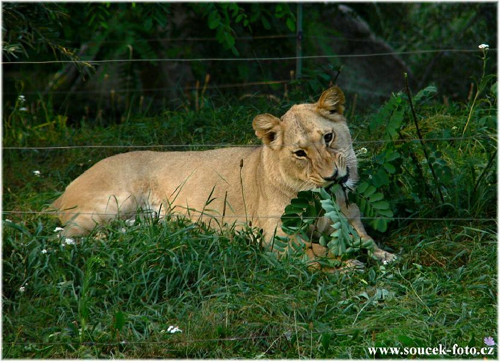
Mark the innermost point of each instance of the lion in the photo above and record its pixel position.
(310, 146)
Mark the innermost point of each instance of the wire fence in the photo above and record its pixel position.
(491, 136)
(247, 84)
(255, 59)
(200, 214)
(252, 38)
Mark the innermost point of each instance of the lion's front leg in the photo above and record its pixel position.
(354, 217)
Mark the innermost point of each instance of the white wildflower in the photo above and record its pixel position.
(22, 289)
(44, 251)
(69, 241)
(37, 173)
(21, 98)
(454, 128)
(58, 229)
(484, 46)
(173, 329)
(23, 109)
(130, 222)
(8, 220)
(123, 230)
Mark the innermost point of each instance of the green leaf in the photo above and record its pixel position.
(265, 23)
(229, 39)
(292, 209)
(370, 191)
(302, 203)
(425, 94)
(381, 178)
(332, 215)
(213, 19)
(336, 233)
(376, 197)
(305, 195)
(389, 168)
(379, 225)
(381, 205)
(387, 213)
(235, 51)
(362, 187)
(391, 156)
(290, 24)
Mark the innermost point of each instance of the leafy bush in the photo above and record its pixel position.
(300, 219)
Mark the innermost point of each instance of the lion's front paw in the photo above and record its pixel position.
(384, 256)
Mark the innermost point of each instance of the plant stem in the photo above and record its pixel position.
(421, 139)
(476, 95)
(419, 169)
(337, 76)
(493, 157)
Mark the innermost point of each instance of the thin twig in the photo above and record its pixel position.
(421, 138)
(493, 157)
(338, 73)
(242, 191)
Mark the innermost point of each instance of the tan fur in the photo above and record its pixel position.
(258, 192)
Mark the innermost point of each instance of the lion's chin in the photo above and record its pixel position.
(326, 184)
(346, 184)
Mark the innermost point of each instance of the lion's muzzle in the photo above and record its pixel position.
(338, 178)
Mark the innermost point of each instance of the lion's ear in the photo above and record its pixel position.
(332, 101)
(268, 128)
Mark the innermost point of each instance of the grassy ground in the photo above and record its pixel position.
(115, 293)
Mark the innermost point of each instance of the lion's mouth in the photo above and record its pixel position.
(343, 180)
(334, 180)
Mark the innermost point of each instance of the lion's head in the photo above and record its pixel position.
(311, 143)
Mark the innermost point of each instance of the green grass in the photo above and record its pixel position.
(231, 299)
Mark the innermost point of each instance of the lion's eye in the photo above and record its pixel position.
(300, 153)
(328, 137)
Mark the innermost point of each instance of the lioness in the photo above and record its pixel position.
(310, 146)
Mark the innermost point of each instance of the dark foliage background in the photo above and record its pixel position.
(108, 31)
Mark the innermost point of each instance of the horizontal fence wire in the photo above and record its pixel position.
(250, 217)
(225, 145)
(250, 38)
(255, 59)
